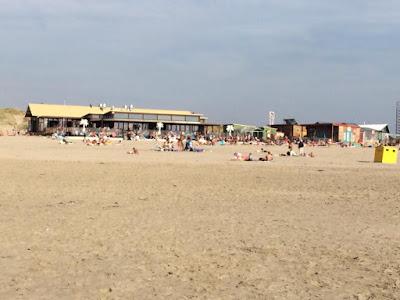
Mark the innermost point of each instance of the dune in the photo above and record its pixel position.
(11, 118)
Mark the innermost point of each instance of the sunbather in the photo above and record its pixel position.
(133, 151)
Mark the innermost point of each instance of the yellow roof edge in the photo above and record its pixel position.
(45, 109)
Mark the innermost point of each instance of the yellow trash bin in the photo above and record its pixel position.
(386, 154)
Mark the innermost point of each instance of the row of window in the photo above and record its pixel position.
(181, 128)
(148, 126)
(153, 117)
(55, 122)
(129, 126)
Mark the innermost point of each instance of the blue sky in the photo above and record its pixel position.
(232, 60)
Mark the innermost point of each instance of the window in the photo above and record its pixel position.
(164, 117)
(150, 117)
(53, 123)
(192, 119)
(121, 116)
(136, 116)
(178, 118)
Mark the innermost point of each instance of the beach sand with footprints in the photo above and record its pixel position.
(81, 222)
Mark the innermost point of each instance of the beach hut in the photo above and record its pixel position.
(336, 132)
(372, 134)
(265, 132)
(349, 133)
(291, 129)
(241, 129)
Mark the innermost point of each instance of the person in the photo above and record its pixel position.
(301, 147)
(243, 157)
(133, 151)
(268, 157)
(189, 144)
(179, 144)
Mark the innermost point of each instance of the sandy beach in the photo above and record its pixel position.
(81, 222)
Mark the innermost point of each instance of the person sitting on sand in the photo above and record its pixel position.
(189, 144)
(133, 151)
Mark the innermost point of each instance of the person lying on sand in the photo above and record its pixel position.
(289, 153)
(242, 157)
(133, 151)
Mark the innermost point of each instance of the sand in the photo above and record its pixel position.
(82, 222)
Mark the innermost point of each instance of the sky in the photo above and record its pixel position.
(233, 60)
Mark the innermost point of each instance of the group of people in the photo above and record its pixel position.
(249, 157)
(269, 156)
(181, 143)
(98, 142)
(301, 148)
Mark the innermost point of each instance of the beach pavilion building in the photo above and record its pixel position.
(49, 118)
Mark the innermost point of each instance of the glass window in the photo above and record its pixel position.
(121, 116)
(53, 123)
(164, 117)
(150, 117)
(192, 119)
(136, 116)
(178, 118)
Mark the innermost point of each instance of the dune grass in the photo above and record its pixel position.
(12, 117)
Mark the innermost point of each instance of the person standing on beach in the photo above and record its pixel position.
(301, 147)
